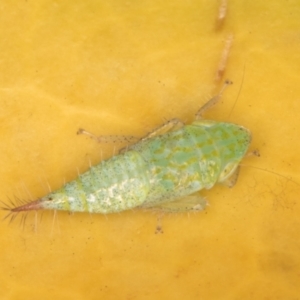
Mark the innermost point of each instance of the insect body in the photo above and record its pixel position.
(163, 170)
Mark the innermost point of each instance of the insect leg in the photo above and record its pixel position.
(213, 101)
(231, 181)
(189, 203)
(109, 138)
(224, 58)
(221, 14)
(255, 152)
(170, 125)
(159, 225)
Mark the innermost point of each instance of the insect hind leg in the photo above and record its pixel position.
(191, 203)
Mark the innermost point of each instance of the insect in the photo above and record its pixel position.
(166, 169)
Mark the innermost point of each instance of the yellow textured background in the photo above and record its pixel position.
(123, 67)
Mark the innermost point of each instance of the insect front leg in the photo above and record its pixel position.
(231, 181)
(213, 101)
(170, 125)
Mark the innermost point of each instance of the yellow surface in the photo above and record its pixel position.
(123, 67)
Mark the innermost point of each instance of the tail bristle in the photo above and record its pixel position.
(17, 206)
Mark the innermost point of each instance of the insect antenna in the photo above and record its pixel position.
(272, 172)
(239, 92)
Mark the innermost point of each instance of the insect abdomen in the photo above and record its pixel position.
(114, 185)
